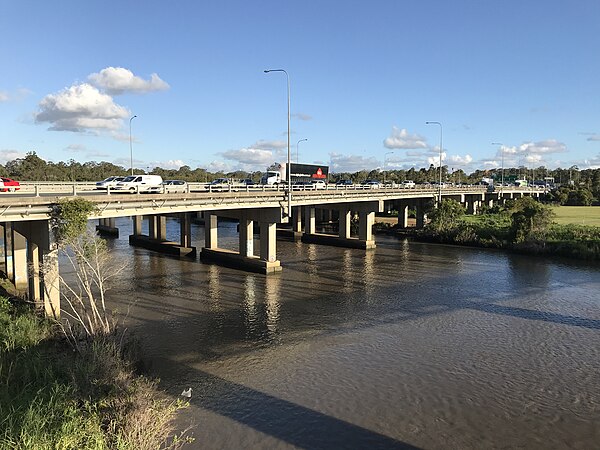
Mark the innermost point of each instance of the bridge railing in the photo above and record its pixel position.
(75, 188)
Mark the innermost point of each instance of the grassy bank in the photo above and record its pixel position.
(52, 397)
(524, 226)
(577, 215)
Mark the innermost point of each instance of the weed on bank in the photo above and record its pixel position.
(53, 397)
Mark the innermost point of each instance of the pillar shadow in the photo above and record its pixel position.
(282, 419)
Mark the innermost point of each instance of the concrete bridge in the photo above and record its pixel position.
(29, 242)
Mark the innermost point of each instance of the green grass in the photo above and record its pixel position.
(52, 397)
(579, 215)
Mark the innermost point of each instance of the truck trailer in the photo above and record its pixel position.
(277, 173)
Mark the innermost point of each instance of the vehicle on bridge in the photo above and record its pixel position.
(408, 184)
(277, 173)
(372, 184)
(138, 183)
(109, 182)
(170, 186)
(344, 183)
(9, 185)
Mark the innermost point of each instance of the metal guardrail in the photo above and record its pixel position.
(36, 189)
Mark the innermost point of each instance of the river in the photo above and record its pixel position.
(407, 346)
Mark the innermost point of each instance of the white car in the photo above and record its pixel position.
(319, 184)
(138, 183)
(170, 186)
(109, 182)
(408, 184)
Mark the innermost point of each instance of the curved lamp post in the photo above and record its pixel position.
(441, 134)
(130, 145)
(297, 148)
(289, 156)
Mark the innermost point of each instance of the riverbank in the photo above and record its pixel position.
(54, 397)
(571, 241)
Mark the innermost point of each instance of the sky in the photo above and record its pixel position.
(365, 77)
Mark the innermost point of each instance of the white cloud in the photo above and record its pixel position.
(10, 155)
(3, 96)
(351, 163)
(118, 80)
(269, 145)
(81, 108)
(170, 164)
(533, 158)
(402, 139)
(18, 95)
(460, 160)
(595, 137)
(543, 147)
(252, 157)
(435, 160)
(301, 116)
(76, 148)
(219, 166)
(592, 163)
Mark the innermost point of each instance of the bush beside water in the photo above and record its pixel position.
(523, 225)
(52, 397)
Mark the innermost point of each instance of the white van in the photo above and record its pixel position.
(138, 183)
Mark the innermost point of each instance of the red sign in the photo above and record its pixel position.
(319, 174)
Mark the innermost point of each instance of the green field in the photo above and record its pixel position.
(580, 215)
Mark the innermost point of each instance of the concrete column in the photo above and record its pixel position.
(365, 225)
(111, 222)
(185, 230)
(33, 259)
(161, 228)
(19, 260)
(309, 220)
(344, 221)
(49, 258)
(268, 235)
(297, 219)
(210, 231)
(137, 225)
(247, 237)
(152, 227)
(403, 215)
(8, 251)
(420, 208)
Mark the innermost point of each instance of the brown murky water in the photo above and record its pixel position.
(409, 345)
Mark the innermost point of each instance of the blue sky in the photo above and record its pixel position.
(365, 77)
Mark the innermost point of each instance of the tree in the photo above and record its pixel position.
(446, 216)
(527, 218)
(84, 289)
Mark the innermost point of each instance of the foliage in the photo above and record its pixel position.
(69, 218)
(446, 216)
(84, 292)
(51, 398)
(527, 217)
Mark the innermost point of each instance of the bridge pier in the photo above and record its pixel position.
(156, 239)
(106, 227)
(33, 263)
(244, 258)
(366, 219)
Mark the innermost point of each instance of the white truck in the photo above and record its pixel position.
(301, 173)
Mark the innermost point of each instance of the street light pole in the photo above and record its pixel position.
(441, 135)
(130, 145)
(289, 155)
(384, 162)
(297, 148)
(502, 150)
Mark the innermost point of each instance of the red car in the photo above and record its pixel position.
(9, 185)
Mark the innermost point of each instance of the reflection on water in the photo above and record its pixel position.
(408, 344)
